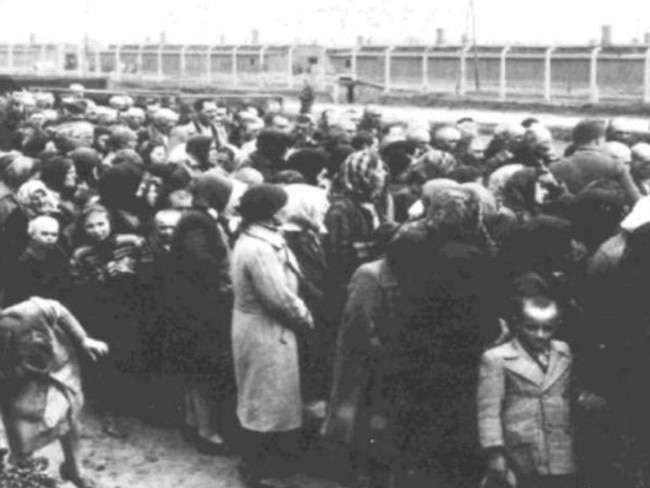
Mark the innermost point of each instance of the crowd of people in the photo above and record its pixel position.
(421, 304)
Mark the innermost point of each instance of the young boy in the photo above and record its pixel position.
(523, 402)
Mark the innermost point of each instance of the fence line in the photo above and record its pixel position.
(584, 73)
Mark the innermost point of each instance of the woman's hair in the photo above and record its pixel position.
(199, 147)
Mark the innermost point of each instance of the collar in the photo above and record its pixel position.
(267, 234)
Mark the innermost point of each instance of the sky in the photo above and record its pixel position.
(338, 22)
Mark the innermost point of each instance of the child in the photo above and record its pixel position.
(523, 402)
(42, 269)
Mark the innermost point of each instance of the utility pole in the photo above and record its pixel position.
(477, 77)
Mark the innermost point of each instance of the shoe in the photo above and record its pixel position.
(80, 481)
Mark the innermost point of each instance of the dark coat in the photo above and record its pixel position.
(200, 296)
(361, 359)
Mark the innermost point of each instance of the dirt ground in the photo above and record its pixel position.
(153, 457)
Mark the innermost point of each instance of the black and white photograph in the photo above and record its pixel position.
(337, 244)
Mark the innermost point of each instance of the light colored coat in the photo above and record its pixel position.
(525, 410)
(267, 308)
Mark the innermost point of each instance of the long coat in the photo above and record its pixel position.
(199, 297)
(361, 357)
(267, 311)
(526, 411)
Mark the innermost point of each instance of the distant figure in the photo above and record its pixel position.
(306, 97)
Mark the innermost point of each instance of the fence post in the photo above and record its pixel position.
(10, 56)
(646, 77)
(548, 73)
(160, 61)
(41, 57)
(98, 62)
(462, 84)
(183, 61)
(387, 67)
(262, 77)
(80, 61)
(140, 61)
(290, 53)
(235, 80)
(208, 65)
(118, 70)
(425, 69)
(353, 61)
(594, 96)
(503, 73)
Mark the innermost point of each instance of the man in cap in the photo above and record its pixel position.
(589, 163)
(505, 143)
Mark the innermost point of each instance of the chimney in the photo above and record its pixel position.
(32, 37)
(359, 40)
(163, 38)
(222, 39)
(646, 38)
(255, 37)
(440, 37)
(606, 35)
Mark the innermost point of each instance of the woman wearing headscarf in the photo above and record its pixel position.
(303, 230)
(354, 215)
(60, 176)
(528, 191)
(268, 314)
(118, 189)
(34, 199)
(199, 309)
(358, 420)
(87, 163)
(453, 294)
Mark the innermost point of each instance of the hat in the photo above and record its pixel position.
(261, 202)
(588, 130)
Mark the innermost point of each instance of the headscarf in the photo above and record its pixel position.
(306, 206)
(596, 216)
(86, 162)
(519, 190)
(119, 185)
(364, 175)
(54, 172)
(434, 164)
(212, 189)
(199, 148)
(121, 138)
(25, 196)
(500, 177)
(454, 213)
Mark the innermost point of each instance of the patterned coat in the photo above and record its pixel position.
(267, 311)
(526, 411)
